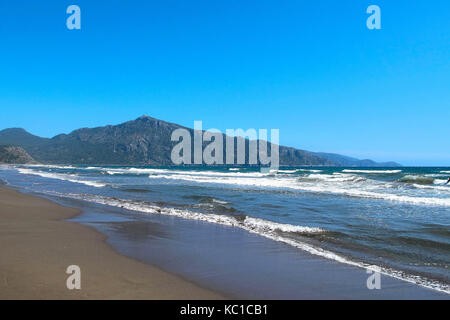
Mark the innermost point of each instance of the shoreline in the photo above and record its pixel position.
(37, 244)
(281, 272)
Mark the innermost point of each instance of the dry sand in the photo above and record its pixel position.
(37, 245)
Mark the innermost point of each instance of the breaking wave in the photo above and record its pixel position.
(60, 176)
(417, 179)
(338, 184)
(371, 171)
(310, 170)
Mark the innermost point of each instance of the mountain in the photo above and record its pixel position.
(12, 154)
(20, 137)
(344, 161)
(144, 141)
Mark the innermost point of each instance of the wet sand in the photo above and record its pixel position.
(37, 246)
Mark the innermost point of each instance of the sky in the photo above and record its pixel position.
(311, 69)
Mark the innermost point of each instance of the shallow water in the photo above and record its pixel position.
(393, 218)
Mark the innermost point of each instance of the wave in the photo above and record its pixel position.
(335, 177)
(60, 176)
(261, 225)
(417, 179)
(206, 199)
(110, 172)
(436, 175)
(356, 189)
(212, 204)
(433, 187)
(136, 190)
(254, 224)
(371, 171)
(381, 196)
(287, 171)
(300, 170)
(338, 183)
(49, 166)
(445, 171)
(150, 171)
(310, 170)
(232, 172)
(265, 228)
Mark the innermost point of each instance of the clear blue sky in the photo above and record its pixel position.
(310, 68)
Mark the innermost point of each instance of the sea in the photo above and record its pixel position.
(248, 234)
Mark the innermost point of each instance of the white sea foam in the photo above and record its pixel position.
(445, 171)
(49, 166)
(335, 177)
(310, 170)
(422, 179)
(149, 171)
(59, 176)
(339, 183)
(436, 175)
(332, 184)
(371, 171)
(265, 228)
(110, 172)
(262, 225)
(219, 201)
(433, 187)
(250, 224)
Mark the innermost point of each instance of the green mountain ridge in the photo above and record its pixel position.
(144, 141)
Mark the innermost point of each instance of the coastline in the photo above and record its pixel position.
(37, 245)
(203, 255)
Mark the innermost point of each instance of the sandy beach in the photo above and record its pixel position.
(37, 245)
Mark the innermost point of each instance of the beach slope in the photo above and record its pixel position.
(37, 246)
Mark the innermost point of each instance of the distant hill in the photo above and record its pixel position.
(344, 161)
(144, 141)
(14, 155)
